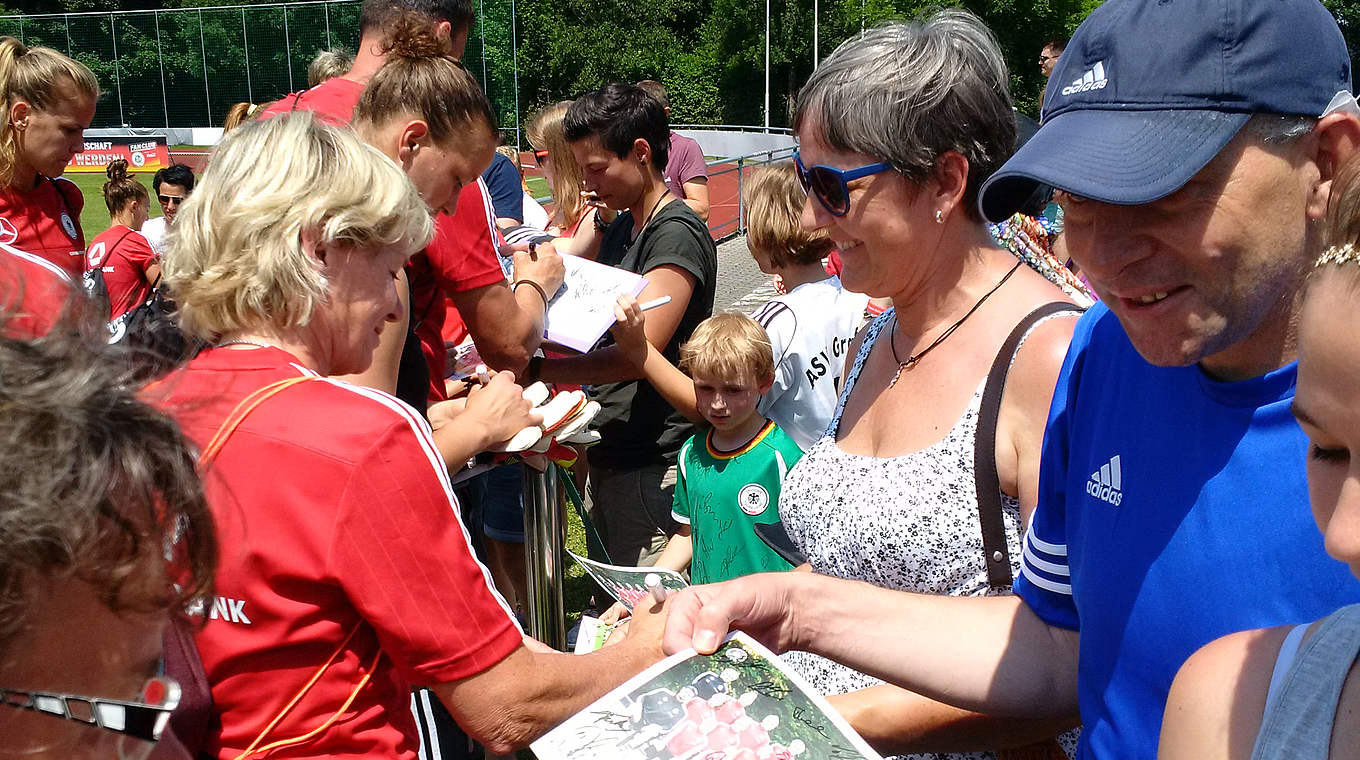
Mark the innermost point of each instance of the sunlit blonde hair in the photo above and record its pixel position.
(545, 133)
(773, 200)
(235, 258)
(729, 346)
(41, 77)
(241, 113)
(1341, 228)
(511, 153)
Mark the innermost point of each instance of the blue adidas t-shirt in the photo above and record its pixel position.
(1172, 510)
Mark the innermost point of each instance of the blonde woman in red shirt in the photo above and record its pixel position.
(49, 100)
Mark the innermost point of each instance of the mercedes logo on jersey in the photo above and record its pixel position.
(753, 499)
(8, 234)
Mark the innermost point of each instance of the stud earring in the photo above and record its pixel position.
(939, 216)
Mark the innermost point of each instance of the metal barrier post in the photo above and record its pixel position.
(544, 534)
(741, 204)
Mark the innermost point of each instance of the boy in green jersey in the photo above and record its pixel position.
(729, 476)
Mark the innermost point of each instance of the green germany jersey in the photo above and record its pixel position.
(722, 495)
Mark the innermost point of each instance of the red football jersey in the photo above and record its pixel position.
(45, 220)
(33, 292)
(333, 100)
(461, 257)
(123, 255)
(334, 514)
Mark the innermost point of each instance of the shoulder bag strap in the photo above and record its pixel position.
(132, 299)
(195, 721)
(238, 415)
(986, 479)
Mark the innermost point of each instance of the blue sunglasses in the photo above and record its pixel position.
(830, 186)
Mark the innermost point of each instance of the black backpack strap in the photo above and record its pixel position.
(986, 479)
(131, 300)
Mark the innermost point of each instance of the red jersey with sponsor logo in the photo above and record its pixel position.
(461, 257)
(123, 255)
(33, 292)
(333, 100)
(45, 220)
(334, 515)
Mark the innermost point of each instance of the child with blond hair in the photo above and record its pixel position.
(729, 476)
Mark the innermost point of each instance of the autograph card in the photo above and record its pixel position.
(738, 703)
(628, 584)
(583, 308)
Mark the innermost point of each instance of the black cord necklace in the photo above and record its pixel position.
(651, 213)
(916, 357)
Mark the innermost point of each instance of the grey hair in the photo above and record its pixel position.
(905, 93)
(95, 484)
(329, 64)
(1280, 129)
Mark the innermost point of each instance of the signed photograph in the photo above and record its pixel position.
(738, 703)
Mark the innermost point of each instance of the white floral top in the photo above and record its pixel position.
(908, 522)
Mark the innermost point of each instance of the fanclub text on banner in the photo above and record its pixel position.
(143, 154)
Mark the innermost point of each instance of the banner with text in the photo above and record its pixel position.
(143, 154)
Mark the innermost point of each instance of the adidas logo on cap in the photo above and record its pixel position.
(1106, 483)
(1093, 79)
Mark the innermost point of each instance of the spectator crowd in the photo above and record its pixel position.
(1013, 466)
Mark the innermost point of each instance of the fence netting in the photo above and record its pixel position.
(187, 67)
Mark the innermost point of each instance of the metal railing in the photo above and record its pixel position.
(737, 128)
(741, 165)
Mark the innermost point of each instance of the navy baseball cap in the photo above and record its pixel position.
(1149, 91)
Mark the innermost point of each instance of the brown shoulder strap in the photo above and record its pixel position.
(988, 483)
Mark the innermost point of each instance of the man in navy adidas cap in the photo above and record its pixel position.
(1192, 144)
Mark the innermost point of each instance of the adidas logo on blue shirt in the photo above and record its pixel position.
(1093, 79)
(1106, 483)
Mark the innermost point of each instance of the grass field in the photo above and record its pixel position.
(95, 218)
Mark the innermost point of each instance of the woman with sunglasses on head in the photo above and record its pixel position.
(95, 486)
(575, 218)
(127, 266)
(1294, 691)
(49, 100)
(897, 130)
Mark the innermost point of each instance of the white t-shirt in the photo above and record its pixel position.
(154, 232)
(810, 330)
(534, 214)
